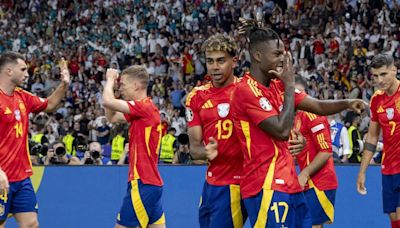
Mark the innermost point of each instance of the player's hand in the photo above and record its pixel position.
(361, 184)
(211, 149)
(303, 178)
(4, 185)
(296, 143)
(112, 75)
(64, 71)
(286, 72)
(357, 105)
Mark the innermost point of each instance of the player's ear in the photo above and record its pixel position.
(235, 60)
(257, 56)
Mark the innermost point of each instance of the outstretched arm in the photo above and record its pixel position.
(329, 107)
(113, 107)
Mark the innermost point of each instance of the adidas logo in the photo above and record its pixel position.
(8, 111)
(207, 105)
(380, 109)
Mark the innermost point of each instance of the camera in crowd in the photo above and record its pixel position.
(37, 149)
(94, 155)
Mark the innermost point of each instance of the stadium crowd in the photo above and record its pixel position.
(331, 41)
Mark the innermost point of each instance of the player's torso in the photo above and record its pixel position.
(325, 178)
(214, 105)
(388, 114)
(265, 157)
(144, 144)
(14, 120)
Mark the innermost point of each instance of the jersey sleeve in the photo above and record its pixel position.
(299, 96)
(136, 109)
(193, 109)
(256, 104)
(34, 103)
(373, 108)
(320, 132)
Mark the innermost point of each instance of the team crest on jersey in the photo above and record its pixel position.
(2, 209)
(264, 103)
(22, 107)
(17, 114)
(389, 113)
(223, 110)
(189, 114)
(398, 105)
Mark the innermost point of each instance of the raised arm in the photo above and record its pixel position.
(114, 108)
(58, 94)
(280, 126)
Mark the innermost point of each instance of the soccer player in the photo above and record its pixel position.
(385, 115)
(210, 123)
(263, 111)
(141, 206)
(17, 196)
(317, 176)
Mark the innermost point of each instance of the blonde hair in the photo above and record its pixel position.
(137, 72)
(220, 42)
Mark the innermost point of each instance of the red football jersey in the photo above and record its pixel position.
(14, 119)
(144, 141)
(316, 130)
(209, 107)
(267, 161)
(386, 111)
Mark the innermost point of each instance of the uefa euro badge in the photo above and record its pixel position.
(189, 114)
(223, 110)
(390, 113)
(264, 103)
(2, 209)
(17, 114)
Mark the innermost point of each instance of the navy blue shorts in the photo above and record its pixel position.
(321, 205)
(20, 198)
(141, 205)
(390, 192)
(271, 208)
(221, 206)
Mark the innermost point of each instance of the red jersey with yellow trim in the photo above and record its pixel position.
(386, 111)
(316, 130)
(14, 120)
(209, 107)
(267, 161)
(144, 141)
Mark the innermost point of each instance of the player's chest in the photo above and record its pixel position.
(389, 111)
(212, 109)
(13, 111)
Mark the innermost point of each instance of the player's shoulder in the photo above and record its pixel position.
(197, 91)
(378, 93)
(248, 85)
(312, 116)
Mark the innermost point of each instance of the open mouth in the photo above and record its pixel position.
(216, 76)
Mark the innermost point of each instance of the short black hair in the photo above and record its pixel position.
(255, 33)
(9, 57)
(381, 60)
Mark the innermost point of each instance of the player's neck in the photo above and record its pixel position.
(7, 87)
(259, 76)
(226, 83)
(393, 89)
(140, 96)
